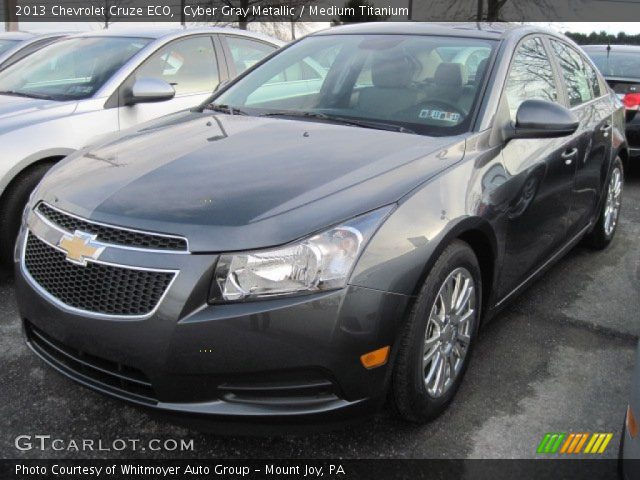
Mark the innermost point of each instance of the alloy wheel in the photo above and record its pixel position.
(448, 334)
(613, 201)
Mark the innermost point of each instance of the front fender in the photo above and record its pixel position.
(10, 169)
(58, 137)
(410, 241)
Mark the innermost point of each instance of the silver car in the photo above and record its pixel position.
(630, 443)
(64, 96)
(15, 46)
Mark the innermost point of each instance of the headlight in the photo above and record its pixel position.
(321, 262)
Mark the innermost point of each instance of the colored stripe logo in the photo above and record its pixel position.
(574, 443)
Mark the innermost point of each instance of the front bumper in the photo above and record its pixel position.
(284, 361)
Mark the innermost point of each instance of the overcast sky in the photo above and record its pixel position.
(584, 27)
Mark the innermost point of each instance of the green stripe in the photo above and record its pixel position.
(550, 443)
(558, 442)
(543, 443)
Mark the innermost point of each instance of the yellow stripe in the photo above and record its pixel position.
(594, 437)
(567, 442)
(584, 439)
(605, 443)
(596, 445)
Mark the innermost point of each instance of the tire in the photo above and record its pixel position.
(605, 229)
(14, 200)
(415, 382)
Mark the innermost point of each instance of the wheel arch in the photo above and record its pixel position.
(623, 153)
(480, 236)
(51, 155)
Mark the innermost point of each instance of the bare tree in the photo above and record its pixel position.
(10, 20)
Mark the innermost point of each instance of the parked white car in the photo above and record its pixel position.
(64, 96)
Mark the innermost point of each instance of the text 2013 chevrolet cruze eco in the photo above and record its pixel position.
(295, 257)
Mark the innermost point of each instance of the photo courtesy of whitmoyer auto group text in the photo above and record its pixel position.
(337, 239)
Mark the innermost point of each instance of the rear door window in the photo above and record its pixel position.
(246, 53)
(188, 65)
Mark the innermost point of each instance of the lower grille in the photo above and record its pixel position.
(94, 288)
(113, 377)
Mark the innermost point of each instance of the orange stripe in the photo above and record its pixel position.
(567, 442)
(584, 439)
(575, 442)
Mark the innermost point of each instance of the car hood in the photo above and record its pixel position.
(16, 112)
(235, 182)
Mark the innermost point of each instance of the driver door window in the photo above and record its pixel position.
(531, 76)
(575, 74)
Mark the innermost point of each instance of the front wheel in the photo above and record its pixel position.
(437, 340)
(607, 222)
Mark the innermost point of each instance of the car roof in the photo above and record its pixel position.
(16, 35)
(159, 33)
(486, 30)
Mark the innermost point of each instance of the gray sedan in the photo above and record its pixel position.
(61, 98)
(271, 259)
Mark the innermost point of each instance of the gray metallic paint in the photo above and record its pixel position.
(254, 182)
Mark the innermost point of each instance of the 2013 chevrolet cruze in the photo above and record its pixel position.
(299, 247)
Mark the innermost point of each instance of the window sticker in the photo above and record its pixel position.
(439, 115)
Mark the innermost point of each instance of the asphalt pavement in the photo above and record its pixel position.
(559, 359)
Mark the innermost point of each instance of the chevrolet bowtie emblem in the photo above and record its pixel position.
(80, 247)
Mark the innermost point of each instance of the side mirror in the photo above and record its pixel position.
(149, 90)
(542, 119)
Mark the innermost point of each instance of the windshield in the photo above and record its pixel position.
(419, 84)
(617, 64)
(6, 45)
(70, 69)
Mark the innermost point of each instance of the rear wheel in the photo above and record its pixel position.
(438, 338)
(14, 200)
(607, 223)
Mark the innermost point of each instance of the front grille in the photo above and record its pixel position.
(115, 377)
(112, 235)
(96, 288)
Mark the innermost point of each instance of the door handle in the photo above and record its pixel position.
(605, 129)
(568, 155)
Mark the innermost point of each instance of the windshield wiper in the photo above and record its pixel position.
(356, 122)
(222, 108)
